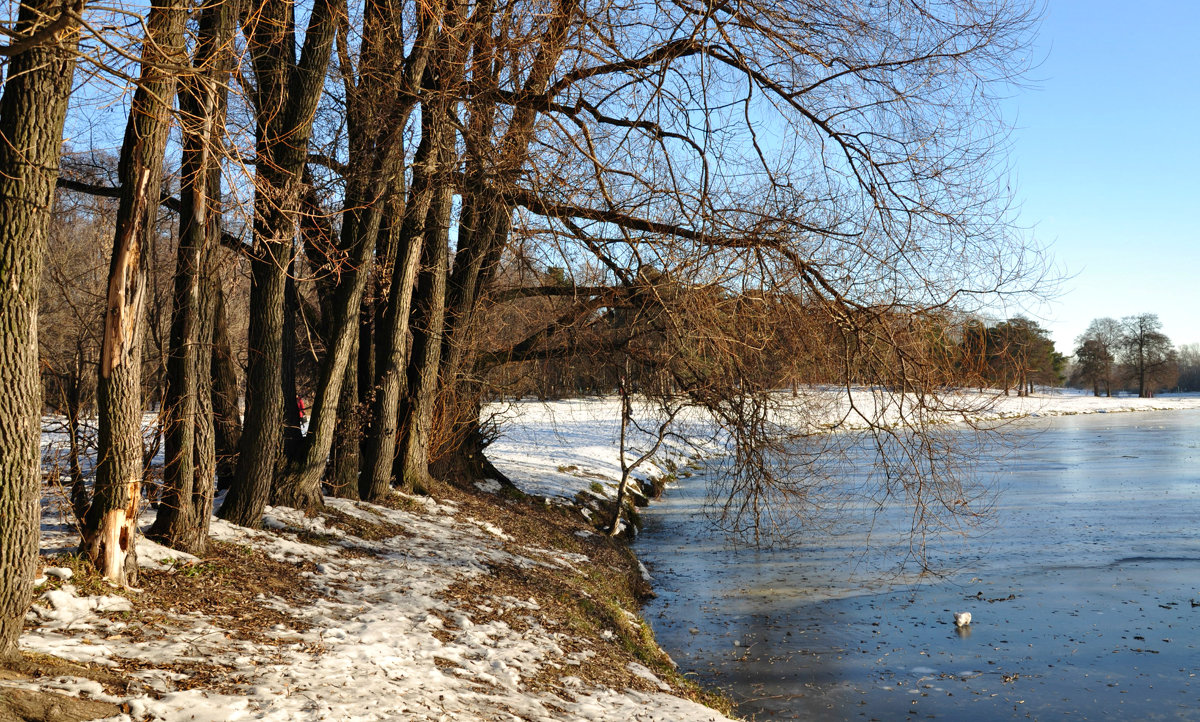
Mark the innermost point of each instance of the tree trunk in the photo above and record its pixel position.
(345, 458)
(427, 326)
(486, 226)
(227, 418)
(79, 492)
(262, 427)
(299, 487)
(286, 98)
(325, 262)
(293, 434)
(110, 529)
(183, 516)
(32, 110)
(376, 122)
(392, 339)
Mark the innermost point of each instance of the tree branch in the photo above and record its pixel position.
(171, 203)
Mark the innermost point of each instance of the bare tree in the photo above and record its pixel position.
(738, 198)
(285, 97)
(1189, 367)
(734, 154)
(1096, 354)
(190, 447)
(1147, 354)
(663, 415)
(110, 527)
(72, 304)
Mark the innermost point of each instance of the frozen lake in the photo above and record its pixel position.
(1082, 595)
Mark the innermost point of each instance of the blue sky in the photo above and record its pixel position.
(1106, 159)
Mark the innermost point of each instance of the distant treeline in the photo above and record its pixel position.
(816, 345)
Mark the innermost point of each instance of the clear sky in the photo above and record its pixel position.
(1106, 159)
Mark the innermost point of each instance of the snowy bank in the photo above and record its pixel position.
(455, 609)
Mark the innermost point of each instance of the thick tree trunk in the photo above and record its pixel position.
(392, 339)
(32, 110)
(427, 326)
(183, 516)
(299, 486)
(287, 94)
(262, 429)
(110, 528)
(376, 122)
(193, 537)
(467, 283)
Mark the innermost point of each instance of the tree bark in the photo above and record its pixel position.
(427, 326)
(227, 417)
(79, 491)
(32, 110)
(286, 99)
(376, 121)
(110, 528)
(483, 234)
(392, 339)
(185, 510)
(345, 459)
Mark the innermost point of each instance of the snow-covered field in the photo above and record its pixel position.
(384, 641)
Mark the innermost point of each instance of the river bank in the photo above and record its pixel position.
(475, 604)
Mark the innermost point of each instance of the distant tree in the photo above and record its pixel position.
(1189, 367)
(1020, 353)
(1096, 355)
(1093, 366)
(1147, 355)
(72, 303)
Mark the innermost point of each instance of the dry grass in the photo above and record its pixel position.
(225, 587)
(375, 530)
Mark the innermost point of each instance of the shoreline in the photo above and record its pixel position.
(477, 603)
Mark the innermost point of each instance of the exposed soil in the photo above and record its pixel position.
(23, 705)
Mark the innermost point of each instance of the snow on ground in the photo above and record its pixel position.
(382, 642)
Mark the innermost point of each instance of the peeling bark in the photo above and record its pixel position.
(110, 526)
